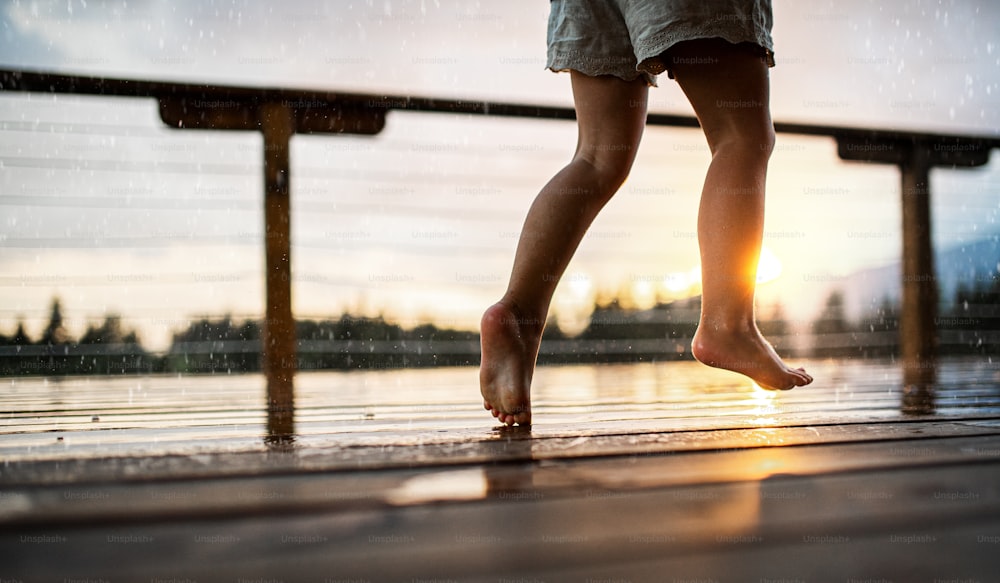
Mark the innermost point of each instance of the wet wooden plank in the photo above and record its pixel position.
(443, 449)
(308, 492)
(955, 554)
(945, 516)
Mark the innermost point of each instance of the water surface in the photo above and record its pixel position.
(62, 418)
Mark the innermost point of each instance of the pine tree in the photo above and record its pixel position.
(20, 336)
(55, 332)
(833, 319)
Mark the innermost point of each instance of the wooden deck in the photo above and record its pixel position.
(631, 473)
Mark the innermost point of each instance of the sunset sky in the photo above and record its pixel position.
(105, 207)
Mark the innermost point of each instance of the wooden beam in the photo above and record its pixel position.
(872, 148)
(938, 150)
(334, 118)
(918, 333)
(278, 125)
(208, 114)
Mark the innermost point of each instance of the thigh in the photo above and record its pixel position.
(611, 114)
(727, 85)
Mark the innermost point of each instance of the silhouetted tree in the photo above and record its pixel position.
(110, 332)
(552, 330)
(832, 320)
(877, 334)
(971, 325)
(833, 335)
(55, 332)
(774, 324)
(20, 338)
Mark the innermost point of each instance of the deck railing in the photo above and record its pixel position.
(279, 113)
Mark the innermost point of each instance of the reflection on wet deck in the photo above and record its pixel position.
(630, 472)
(74, 418)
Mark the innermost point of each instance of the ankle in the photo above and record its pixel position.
(528, 322)
(727, 326)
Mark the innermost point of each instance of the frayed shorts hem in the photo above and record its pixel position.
(633, 39)
(649, 69)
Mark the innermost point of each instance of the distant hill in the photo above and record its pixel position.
(955, 265)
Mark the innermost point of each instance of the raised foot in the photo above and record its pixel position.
(746, 352)
(509, 347)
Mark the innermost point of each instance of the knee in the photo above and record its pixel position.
(765, 140)
(611, 175)
(755, 140)
(610, 166)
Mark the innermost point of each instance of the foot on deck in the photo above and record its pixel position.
(509, 348)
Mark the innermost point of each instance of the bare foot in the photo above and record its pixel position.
(745, 351)
(509, 347)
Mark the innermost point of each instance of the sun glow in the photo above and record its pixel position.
(644, 293)
(764, 405)
(768, 267)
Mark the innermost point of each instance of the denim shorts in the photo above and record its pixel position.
(628, 38)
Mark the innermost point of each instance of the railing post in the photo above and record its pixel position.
(915, 155)
(277, 122)
(278, 118)
(918, 334)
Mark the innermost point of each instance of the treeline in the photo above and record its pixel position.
(662, 333)
(615, 334)
(102, 349)
(968, 324)
(226, 346)
(349, 342)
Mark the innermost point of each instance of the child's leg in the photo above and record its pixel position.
(728, 88)
(611, 114)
